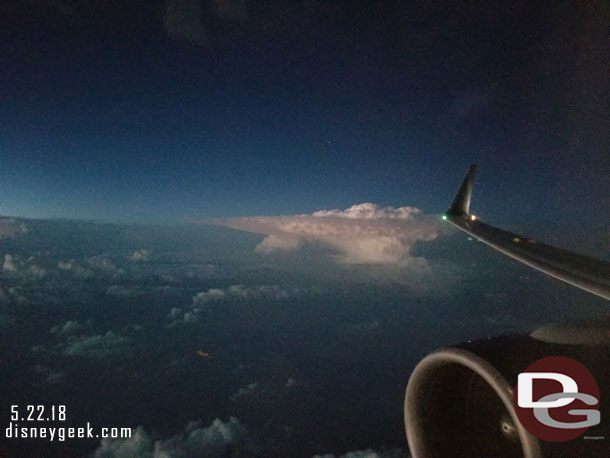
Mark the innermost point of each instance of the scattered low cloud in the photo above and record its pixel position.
(240, 292)
(219, 439)
(46, 375)
(291, 383)
(245, 392)
(125, 291)
(99, 346)
(142, 255)
(9, 264)
(212, 295)
(362, 234)
(368, 453)
(75, 268)
(204, 301)
(16, 265)
(10, 227)
(90, 266)
(42, 278)
(70, 327)
(102, 264)
(98, 266)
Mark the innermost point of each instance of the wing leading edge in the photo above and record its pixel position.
(589, 274)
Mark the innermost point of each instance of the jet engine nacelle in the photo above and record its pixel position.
(459, 400)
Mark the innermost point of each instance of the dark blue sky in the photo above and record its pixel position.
(153, 111)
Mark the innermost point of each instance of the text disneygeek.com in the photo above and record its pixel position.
(32, 422)
(61, 433)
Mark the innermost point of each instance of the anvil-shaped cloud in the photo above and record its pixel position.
(362, 234)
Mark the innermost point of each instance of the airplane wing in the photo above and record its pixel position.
(589, 274)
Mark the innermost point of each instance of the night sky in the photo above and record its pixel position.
(220, 220)
(152, 111)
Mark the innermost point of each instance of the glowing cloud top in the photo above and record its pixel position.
(362, 234)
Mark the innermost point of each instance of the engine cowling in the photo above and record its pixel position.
(459, 401)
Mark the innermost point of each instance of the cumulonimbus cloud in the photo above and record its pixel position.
(362, 234)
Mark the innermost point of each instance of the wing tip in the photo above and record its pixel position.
(461, 202)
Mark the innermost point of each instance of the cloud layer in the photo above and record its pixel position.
(204, 301)
(368, 453)
(10, 227)
(99, 346)
(215, 440)
(362, 234)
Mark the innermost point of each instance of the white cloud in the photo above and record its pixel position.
(99, 346)
(9, 227)
(55, 378)
(139, 445)
(9, 264)
(45, 375)
(212, 295)
(16, 295)
(368, 453)
(71, 327)
(273, 242)
(203, 301)
(361, 234)
(126, 291)
(371, 211)
(245, 392)
(216, 440)
(37, 271)
(240, 292)
(102, 264)
(142, 255)
(25, 268)
(291, 382)
(75, 268)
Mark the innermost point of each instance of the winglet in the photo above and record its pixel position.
(461, 201)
